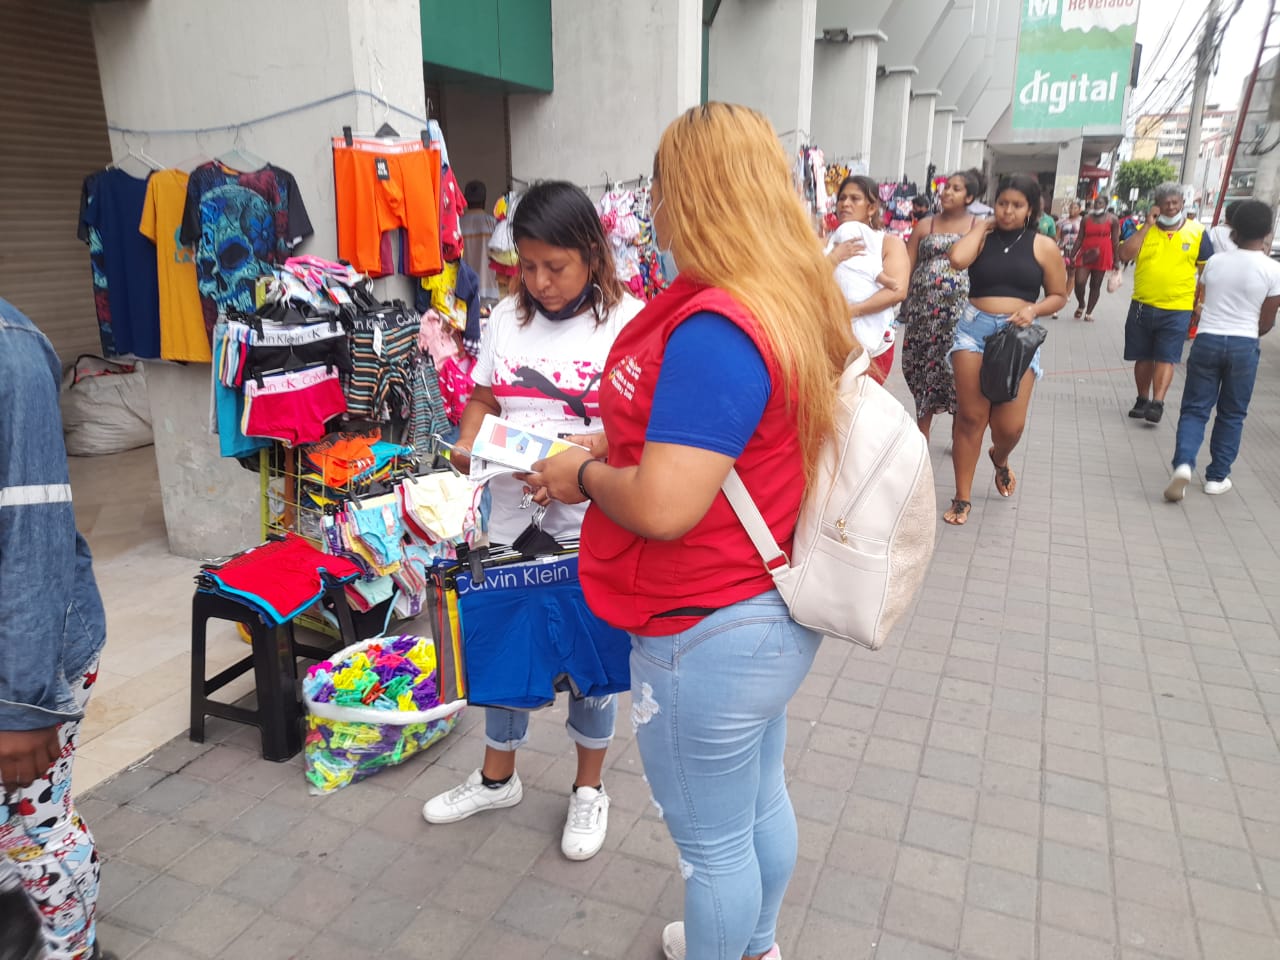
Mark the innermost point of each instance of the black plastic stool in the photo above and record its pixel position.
(273, 661)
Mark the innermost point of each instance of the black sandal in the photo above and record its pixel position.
(1006, 482)
(960, 511)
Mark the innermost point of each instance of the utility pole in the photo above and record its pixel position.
(1205, 52)
(1244, 112)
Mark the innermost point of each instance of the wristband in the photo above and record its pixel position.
(582, 469)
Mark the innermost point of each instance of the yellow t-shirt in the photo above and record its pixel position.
(1165, 274)
(182, 332)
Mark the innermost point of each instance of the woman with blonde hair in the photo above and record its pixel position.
(734, 366)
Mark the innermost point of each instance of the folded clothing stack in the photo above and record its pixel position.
(279, 579)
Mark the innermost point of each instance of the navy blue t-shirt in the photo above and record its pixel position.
(111, 205)
(712, 388)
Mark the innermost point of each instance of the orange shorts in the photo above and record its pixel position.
(383, 186)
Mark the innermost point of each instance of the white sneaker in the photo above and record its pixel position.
(472, 797)
(585, 826)
(673, 941)
(1215, 487)
(1177, 488)
(673, 946)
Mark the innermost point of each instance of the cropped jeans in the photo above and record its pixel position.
(590, 724)
(709, 706)
(1220, 372)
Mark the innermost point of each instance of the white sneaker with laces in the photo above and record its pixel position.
(470, 797)
(1215, 487)
(586, 823)
(1177, 488)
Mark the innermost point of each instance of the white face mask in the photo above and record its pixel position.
(1169, 222)
(666, 259)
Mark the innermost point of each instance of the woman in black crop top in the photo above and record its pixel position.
(1009, 263)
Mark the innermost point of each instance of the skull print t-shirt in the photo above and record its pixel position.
(239, 224)
(545, 376)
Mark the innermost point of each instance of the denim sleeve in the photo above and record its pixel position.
(38, 540)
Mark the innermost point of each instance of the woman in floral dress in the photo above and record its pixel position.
(937, 297)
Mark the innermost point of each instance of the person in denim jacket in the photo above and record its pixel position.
(52, 628)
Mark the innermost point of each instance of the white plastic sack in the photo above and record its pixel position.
(104, 407)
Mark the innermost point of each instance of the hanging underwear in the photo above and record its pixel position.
(292, 407)
(527, 633)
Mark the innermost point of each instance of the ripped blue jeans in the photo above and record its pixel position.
(710, 709)
(590, 724)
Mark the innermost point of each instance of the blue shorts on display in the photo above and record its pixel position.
(527, 633)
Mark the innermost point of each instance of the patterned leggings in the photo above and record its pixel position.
(44, 838)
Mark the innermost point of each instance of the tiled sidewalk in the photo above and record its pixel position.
(1068, 753)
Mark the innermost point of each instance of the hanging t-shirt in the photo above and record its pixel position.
(240, 223)
(477, 227)
(111, 208)
(182, 333)
(97, 268)
(545, 376)
(452, 206)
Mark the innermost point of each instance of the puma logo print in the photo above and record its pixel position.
(575, 403)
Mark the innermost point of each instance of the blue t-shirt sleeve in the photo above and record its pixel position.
(712, 389)
(1206, 247)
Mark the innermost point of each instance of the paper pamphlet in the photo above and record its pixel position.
(503, 447)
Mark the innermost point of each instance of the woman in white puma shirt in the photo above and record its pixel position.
(541, 359)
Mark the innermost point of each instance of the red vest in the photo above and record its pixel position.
(628, 580)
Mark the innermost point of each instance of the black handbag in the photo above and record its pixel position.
(1006, 357)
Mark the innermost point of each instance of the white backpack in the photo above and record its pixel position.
(867, 525)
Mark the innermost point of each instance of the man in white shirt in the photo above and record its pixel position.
(1242, 294)
(1221, 234)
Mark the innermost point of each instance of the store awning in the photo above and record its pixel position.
(1090, 172)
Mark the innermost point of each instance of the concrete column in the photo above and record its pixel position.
(844, 97)
(893, 101)
(762, 56)
(942, 146)
(224, 76)
(955, 159)
(609, 120)
(1067, 178)
(921, 134)
(973, 153)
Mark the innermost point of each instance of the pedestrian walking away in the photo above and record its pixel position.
(1220, 235)
(734, 366)
(937, 297)
(52, 630)
(1168, 251)
(1097, 253)
(1009, 263)
(542, 344)
(1241, 296)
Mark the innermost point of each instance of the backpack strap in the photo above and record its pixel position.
(735, 491)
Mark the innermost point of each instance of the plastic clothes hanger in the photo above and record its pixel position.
(239, 157)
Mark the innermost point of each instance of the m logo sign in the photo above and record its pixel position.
(1038, 9)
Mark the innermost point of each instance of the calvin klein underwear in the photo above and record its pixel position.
(292, 407)
(527, 632)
